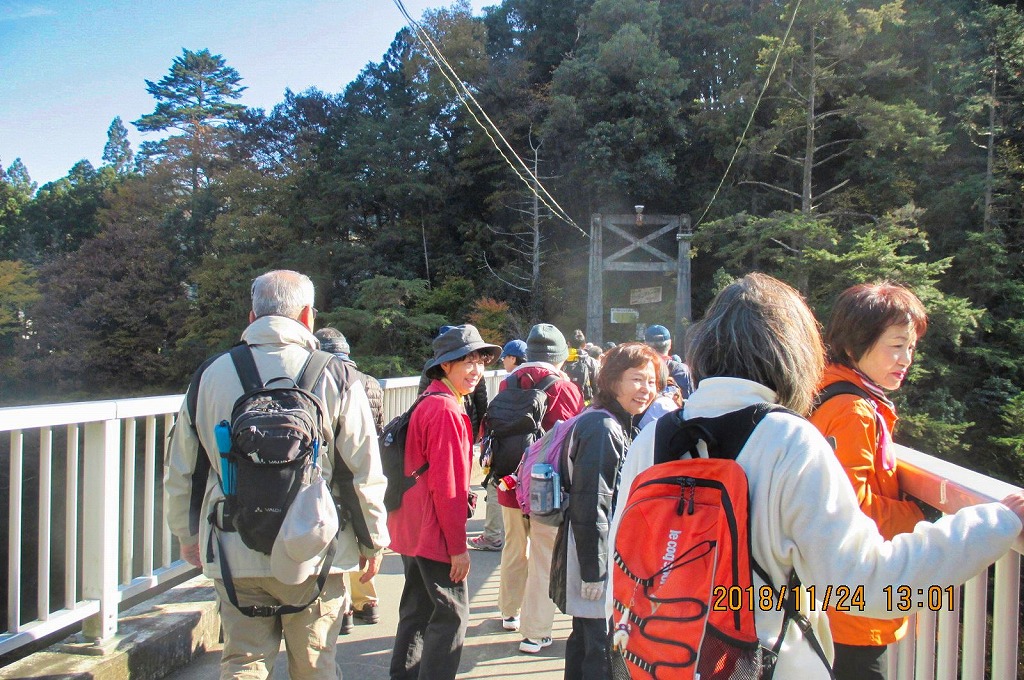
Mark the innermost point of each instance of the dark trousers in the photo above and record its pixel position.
(432, 618)
(854, 662)
(586, 650)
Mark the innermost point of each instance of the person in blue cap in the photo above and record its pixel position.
(660, 340)
(513, 354)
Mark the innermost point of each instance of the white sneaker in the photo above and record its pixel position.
(510, 623)
(528, 646)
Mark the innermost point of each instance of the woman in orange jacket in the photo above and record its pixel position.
(871, 337)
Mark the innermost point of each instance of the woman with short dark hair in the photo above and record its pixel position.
(629, 379)
(429, 528)
(759, 343)
(870, 338)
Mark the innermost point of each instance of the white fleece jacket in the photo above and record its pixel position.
(804, 516)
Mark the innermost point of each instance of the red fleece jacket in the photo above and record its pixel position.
(431, 521)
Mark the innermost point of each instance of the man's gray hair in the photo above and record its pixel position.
(760, 329)
(281, 292)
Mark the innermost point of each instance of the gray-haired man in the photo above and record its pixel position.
(281, 341)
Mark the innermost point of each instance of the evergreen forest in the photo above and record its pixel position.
(825, 142)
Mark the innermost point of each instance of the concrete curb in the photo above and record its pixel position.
(155, 638)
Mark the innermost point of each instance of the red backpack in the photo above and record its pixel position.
(681, 579)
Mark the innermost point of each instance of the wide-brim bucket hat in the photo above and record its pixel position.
(455, 343)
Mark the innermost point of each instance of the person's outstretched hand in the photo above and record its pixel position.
(1015, 501)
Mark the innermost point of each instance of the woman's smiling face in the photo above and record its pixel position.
(637, 388)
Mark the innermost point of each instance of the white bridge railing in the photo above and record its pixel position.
(85, 482)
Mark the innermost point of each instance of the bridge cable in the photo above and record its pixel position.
(469, 101)
(739, 145)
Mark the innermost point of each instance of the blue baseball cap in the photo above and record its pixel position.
(656, 335)
(514, 348)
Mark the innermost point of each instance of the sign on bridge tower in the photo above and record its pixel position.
(635, 235)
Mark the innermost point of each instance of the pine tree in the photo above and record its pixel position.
(194, 98)
(118, 150)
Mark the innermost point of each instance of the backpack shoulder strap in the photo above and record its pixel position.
(314, 369)
(724, 435)
(841, 387)
(790, 598)
(546, 382)
(245, 366)
(192, 394)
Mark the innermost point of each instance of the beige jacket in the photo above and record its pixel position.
(280, 347)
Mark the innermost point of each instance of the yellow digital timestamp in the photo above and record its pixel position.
(932, 598)
(766, 598)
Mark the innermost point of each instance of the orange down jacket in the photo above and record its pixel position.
(850, 421)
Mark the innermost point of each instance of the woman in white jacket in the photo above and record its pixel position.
(757, 343)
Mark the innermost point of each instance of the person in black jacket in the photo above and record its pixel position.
(365, 603)
(631, 376)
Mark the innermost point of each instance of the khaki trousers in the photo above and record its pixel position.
(526, 573)
(514, 562)
(538, 613)
(251, 644)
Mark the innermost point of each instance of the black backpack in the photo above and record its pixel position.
(513, 422)
(267, 449)
(392, 455)
(580, 373)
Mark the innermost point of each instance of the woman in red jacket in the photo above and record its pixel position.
(429, 529)
(871, 337)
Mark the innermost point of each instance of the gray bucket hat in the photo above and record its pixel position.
(455, 343)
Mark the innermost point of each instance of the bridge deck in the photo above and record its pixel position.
(490, 651)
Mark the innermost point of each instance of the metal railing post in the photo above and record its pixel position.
(100, 522)
(1005, 610)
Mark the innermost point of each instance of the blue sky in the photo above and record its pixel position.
(68, 67)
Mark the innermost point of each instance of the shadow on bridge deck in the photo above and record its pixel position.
(490, 651)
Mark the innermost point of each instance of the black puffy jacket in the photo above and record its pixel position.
(599, 446)
(374, 392)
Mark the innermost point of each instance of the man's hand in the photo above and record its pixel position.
(592, 591)
(371, 565)
(190, 553)
(460, 567)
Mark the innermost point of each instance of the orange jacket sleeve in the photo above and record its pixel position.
(849, 423)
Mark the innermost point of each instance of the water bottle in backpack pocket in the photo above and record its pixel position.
(545, 489)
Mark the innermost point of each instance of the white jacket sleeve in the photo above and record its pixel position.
(807, 516)
(355, 446)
